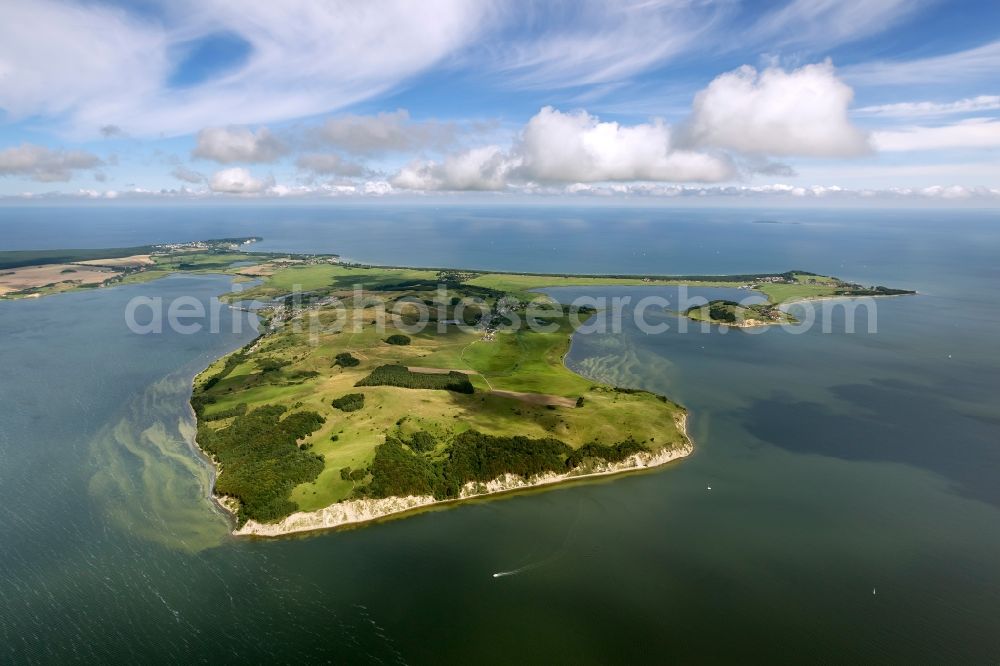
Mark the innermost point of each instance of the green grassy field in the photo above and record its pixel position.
(194, 262)
(328, 277)
(286, 274)
(554, 412)
(808, 286)
(805, 286)
(522, 285)
(308, 379)
(268, 414)
(334, 277)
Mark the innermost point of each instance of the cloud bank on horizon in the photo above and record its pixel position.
(651, 98)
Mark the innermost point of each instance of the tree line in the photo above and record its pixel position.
(398, 375)
(400, 468)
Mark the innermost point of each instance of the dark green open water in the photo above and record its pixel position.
(839, 464)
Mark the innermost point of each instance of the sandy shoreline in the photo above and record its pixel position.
(812, 299)
(746, 323)
(355, 512)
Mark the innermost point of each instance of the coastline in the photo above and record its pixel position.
(746, 323)
(837, 297)
(361, 511)
(357, 512)
(758, 323)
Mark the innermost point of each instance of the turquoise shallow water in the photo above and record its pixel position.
(839, 464)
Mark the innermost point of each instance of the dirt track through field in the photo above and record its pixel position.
(537, 398)
(438, 371)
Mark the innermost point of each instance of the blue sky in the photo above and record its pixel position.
(786, 99)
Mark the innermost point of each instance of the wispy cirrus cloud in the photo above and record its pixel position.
(587, 42)
(818, 24)
(599, 44)
(614, 82)
(978, 64)
(976, 104)
(90, 66)
(971, 133)
(57, 58)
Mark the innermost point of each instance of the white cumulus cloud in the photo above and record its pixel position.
(237, 180)
(485, 168)
(785, 191)
(777, 112)
(578, 147)
(238, 144)
(44, 164)
(377, 188)
(181, 172)
(558, 147)
(384, 133)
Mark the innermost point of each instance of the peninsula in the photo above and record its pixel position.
(34, 273)
(336, 416)
(338, 413)
(367, 419)
(781, 290)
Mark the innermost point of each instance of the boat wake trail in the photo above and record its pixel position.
(527, 567)
(558, 553)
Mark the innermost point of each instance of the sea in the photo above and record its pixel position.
(842, 503)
